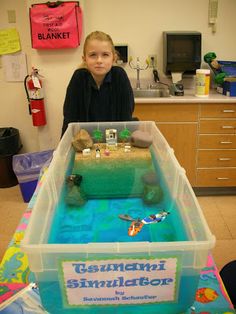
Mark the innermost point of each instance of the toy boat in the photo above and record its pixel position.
(126, 217)
(155, 218)
(137, 224)
(135, 228)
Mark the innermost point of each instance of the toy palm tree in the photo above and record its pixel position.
(124, 135)
(97, 135)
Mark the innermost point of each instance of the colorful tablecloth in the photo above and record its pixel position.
(211, 296)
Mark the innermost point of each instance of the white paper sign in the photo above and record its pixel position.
(119, 281)
(15, 67)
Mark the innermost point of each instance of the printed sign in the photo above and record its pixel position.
(119, 281)
(54, 27)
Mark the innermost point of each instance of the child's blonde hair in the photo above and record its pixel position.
(98, 35)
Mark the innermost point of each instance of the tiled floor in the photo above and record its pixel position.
(219, 211)
(12, 208)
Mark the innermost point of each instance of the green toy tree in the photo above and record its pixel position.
(97, 135)
(124, 135)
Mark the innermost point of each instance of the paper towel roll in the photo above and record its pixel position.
(176, 77)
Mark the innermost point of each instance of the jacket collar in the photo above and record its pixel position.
(106, 80)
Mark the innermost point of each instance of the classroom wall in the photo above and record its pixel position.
(138, 23)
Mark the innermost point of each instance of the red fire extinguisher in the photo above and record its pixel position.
(34, 91)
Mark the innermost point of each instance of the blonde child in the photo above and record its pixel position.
(98, 90)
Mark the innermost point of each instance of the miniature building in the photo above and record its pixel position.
(111, 138)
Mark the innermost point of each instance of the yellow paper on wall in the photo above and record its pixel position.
(9, 41)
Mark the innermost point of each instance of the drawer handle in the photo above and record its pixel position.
(224, 159)
(222, 178)
(226, 142)
(228, 110)
(227, 127)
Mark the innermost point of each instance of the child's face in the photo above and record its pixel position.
(98, 57)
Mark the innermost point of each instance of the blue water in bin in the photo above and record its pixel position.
(98, 221)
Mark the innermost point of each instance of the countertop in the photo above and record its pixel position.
(189, 97)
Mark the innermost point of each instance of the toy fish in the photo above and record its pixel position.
(155, 218)
(135, 228)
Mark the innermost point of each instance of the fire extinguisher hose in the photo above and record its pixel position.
(27, 93)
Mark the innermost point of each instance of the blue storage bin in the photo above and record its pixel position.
(27, 168)
(27, 189)
(229, 88)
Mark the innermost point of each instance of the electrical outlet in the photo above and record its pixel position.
(11, 16)
(152, 59)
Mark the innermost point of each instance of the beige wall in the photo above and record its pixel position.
(138, 23)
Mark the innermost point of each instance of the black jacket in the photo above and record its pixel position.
(81, 104)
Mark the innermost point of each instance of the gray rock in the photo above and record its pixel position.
(150, 178)
(141, 139)
(75, 196)
(152, 194)
(82, 140)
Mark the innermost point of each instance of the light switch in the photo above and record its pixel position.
(11, 16)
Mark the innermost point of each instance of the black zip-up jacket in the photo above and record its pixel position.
(84, 102)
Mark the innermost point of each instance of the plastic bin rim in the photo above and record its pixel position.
(118, 247)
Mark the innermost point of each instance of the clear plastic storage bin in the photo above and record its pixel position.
(118, 276)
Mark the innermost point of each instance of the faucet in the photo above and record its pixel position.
(157, 80)
(155, 76)
(138, 68)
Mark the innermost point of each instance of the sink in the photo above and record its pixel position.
(151, 93)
